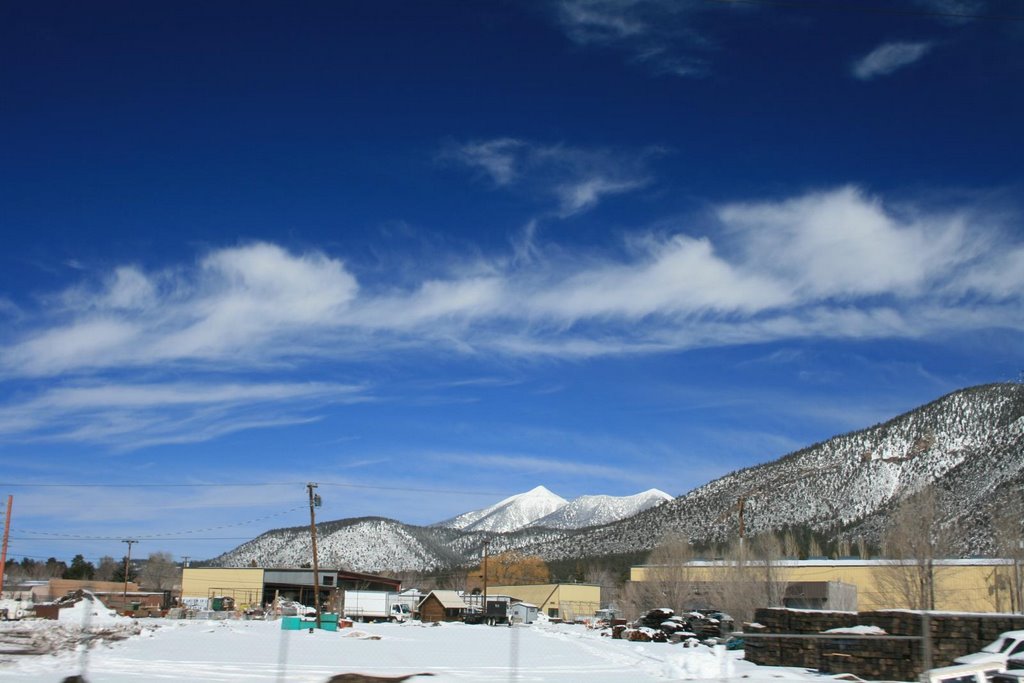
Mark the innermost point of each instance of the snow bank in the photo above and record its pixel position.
(698, 663)
(91, 612)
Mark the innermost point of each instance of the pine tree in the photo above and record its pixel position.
(80, 569)
(119, 572)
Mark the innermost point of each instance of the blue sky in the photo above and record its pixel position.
(433, 254)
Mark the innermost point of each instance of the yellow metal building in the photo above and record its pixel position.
(972, 585)
(561, 600)
(245, 585)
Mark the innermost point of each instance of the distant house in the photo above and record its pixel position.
(442, 606)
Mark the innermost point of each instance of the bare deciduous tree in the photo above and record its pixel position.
(750, 577)
(1009, 537)
(670, 580)
(160, 572)
(106, 568)
(610, 587)
(912, 544)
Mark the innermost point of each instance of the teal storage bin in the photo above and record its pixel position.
(291, 623)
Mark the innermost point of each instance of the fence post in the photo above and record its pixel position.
(926, 641)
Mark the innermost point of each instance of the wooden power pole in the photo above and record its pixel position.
(127, 564)
(484, 610)
(314, 502)
(3, 551)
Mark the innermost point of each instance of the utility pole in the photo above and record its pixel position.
(742, 503)
(484, 611)
(314, 502)
(184, 566)
(3, 552)
(127, 563)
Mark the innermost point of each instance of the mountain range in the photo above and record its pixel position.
(540, 507)
(969, 445)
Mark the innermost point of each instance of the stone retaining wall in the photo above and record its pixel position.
(952, 635)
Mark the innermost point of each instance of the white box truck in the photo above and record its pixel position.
(375, 605)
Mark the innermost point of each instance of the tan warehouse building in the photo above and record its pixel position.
(560, 600)
(253, 587)
(971, 585)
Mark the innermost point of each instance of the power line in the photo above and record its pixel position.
(171, 533)
(374, 487)
(151, 484)
(870, 9)
(140, 538)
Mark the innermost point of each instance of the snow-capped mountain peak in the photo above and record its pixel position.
(515, 512)
(593, 510)
(539, 507)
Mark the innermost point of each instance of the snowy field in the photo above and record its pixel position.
(198, 651)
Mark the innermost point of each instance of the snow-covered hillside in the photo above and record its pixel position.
(970, 444)
(515, 512)
(594, 510)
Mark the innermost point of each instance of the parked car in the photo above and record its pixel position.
(1014, 671)
(978, 672)
(1008, 645)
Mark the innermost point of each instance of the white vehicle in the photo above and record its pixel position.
(374, 605)
(979, 672)
(1009, 644)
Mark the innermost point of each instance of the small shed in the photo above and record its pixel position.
(442, 606)
(523, 613)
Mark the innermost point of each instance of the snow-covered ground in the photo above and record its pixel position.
(197, 651)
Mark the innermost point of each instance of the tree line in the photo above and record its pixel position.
(157, 572)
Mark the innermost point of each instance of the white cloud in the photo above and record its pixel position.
(838, 263)
(131, 416)
(999, 277)
(576, 178)
(658, 34)
(842, 243)
(681, 275)
(237, 302)
(499, 158)
(954, 10)
(601, 21)
(527, 464)
(585, 193)
(888, 58)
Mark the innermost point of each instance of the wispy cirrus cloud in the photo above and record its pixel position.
(576, 178)
(889, 58)
(773, 268)
(837, 263)
(528, 464)
(954, 11)
(132, 416)
(659, 35)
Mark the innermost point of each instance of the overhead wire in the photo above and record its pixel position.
(155, 536)
(374, 487)
(871, 9)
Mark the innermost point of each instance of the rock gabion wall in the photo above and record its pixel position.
(951, 635)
